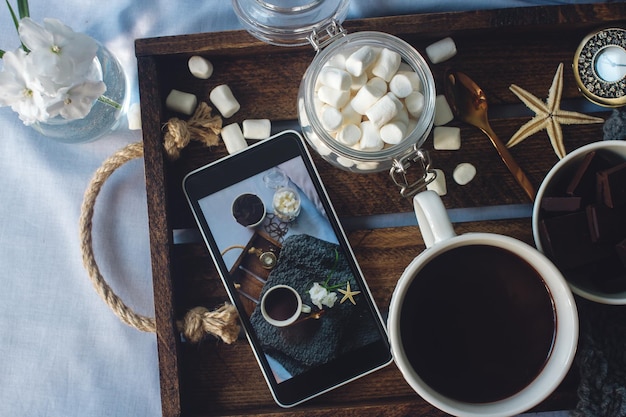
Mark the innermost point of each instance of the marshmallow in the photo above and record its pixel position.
(333, 97)
(257, 128)
(223, 99)
(349, 134)
(331, 119)
(385, 109)
(414, 103)
(358, 82)
(441, 50)
(387, 64)
(393, 132)
(338, 60)
(438, 184)
(446, 138)
(350, 116)
(361, 60)
(368, 95)
(464, 173)
(200, 67)
(134, 117)
(335, 78)
(233, 138)
(370, 137)
(401, 85)
(416, 82)
(443, 113)
(181, 102)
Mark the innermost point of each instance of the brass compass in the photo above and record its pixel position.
(600, 67)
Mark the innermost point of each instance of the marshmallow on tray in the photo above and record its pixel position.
(257, 128)
(200, 67)
(464, 173)
(224, 100)
(441, 50)
(443, 112)
(233, 138)
(438, 185)
(447, 138)
(181, 102)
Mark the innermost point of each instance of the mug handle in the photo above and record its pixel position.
(432, 218)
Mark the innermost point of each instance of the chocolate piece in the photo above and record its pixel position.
(561, 204)
(612, 185)
(567, 241)
(583, 183)
(606, 225)
(607, 275)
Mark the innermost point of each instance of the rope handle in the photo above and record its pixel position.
(199, 321)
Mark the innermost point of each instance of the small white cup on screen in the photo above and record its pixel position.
(281, 306)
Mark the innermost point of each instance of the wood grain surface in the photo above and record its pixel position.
(495, 47)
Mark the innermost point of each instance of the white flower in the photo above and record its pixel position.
(320, 296)
(58, 53)
(76, 102)
(56, 76)
(19, 90)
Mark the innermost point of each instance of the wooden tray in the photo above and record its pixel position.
(495, 47)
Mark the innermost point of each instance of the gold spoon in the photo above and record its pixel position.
(469, 103)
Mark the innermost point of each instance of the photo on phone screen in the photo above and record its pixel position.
(282, 255)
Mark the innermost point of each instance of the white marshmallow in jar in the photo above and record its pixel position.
(367, 100)
(395, 114)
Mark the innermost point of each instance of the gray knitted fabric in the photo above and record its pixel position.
(601, 361)
(601, 357)
(615, 126)
(304, 260)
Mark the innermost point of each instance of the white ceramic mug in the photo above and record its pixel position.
(439, 237)
(281, 305)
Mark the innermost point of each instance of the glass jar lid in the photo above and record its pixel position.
(288, 22)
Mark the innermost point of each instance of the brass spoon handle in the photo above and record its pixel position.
(510, 163)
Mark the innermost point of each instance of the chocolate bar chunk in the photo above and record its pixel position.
(561, 204)
(606, 225)
(583, 183)
(607, 275)
(567, 241)
(612, 185)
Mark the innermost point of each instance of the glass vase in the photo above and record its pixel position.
(106, 113)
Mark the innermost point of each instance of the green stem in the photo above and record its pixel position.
(108, 101)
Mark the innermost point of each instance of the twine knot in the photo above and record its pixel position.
(203, 127)
(221, 322)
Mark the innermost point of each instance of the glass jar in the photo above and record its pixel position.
(350, 158)
(318, 22)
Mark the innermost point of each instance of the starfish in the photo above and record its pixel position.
(348, 294)
(548, 115)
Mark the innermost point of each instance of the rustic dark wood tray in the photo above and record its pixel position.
(495, 47)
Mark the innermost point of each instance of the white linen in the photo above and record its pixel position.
(62, 351)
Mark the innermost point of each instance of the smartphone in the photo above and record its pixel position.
(287, 265)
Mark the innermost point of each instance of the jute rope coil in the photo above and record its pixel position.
(199, 321)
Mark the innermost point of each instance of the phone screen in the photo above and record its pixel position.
(288, 267)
